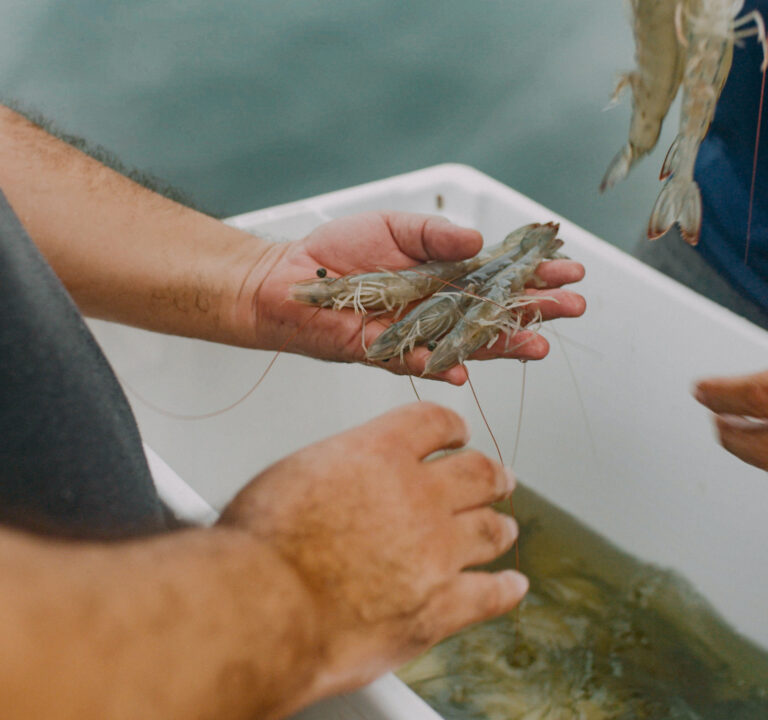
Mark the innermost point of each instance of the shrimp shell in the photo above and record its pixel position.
(390, 290)
(383, 290)
(710, 29)
(494, 312)
(434, 317)
(659, 59)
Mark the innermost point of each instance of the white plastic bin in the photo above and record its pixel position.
(610, 431)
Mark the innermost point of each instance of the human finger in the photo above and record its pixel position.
(481, 535)
(431, 237)
(475, 596)
(555, 303)
(523, 345)
(470, 479)
(746, 439)
(741, 395)
(555, 273)
(422, 428)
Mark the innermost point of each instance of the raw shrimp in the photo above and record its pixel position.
(659, 58)
(709, 29)
(434, 317)
(493, 312)
(389, 290)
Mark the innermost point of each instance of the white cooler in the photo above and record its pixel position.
(610, 431)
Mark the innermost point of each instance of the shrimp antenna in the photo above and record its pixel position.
(482, 414)
(754, 167)
(208, 415)
(413, 384)
(501, 460)
(519, 416)
(579, 398)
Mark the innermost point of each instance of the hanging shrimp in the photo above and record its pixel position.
(659, 59)
(708, 29)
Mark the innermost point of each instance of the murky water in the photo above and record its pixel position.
(244, 104)
(600, 636)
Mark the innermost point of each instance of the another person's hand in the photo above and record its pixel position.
(369, 242)
(740, 405)
(381, 536)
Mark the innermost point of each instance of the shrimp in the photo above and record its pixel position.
(390, 290)
(655, 81)
(710, 29)
(489, 315)
(434, 317)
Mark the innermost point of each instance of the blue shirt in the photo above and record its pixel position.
(724, 173)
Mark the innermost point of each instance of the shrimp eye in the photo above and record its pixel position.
(386, 360)
(321, 272)
(431, 345)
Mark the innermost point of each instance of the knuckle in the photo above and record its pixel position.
(423, 633)
(443, 420)
(488, 470)
(484, 473)
(492, 530)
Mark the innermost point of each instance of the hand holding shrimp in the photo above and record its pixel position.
(368, 243)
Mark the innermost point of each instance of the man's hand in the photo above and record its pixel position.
(382, 537)
(128, 255)
(741, 408)
(370, 242)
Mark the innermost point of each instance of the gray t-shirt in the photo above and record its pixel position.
(71, 461)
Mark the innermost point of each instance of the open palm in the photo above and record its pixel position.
(374, 241)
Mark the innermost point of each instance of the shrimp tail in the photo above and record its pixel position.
(619, 167)
(679, 201)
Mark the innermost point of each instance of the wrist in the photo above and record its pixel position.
(274, 618)
(253, 305)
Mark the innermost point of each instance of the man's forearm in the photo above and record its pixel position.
(200, 623)
(124, 252)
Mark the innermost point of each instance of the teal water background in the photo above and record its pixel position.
(243, 105)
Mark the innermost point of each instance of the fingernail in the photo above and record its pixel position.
(511, 479)
(518, 582)
(698, 393)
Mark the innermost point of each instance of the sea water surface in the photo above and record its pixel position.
(243, 105)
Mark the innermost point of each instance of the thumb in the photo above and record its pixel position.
(431, 237)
